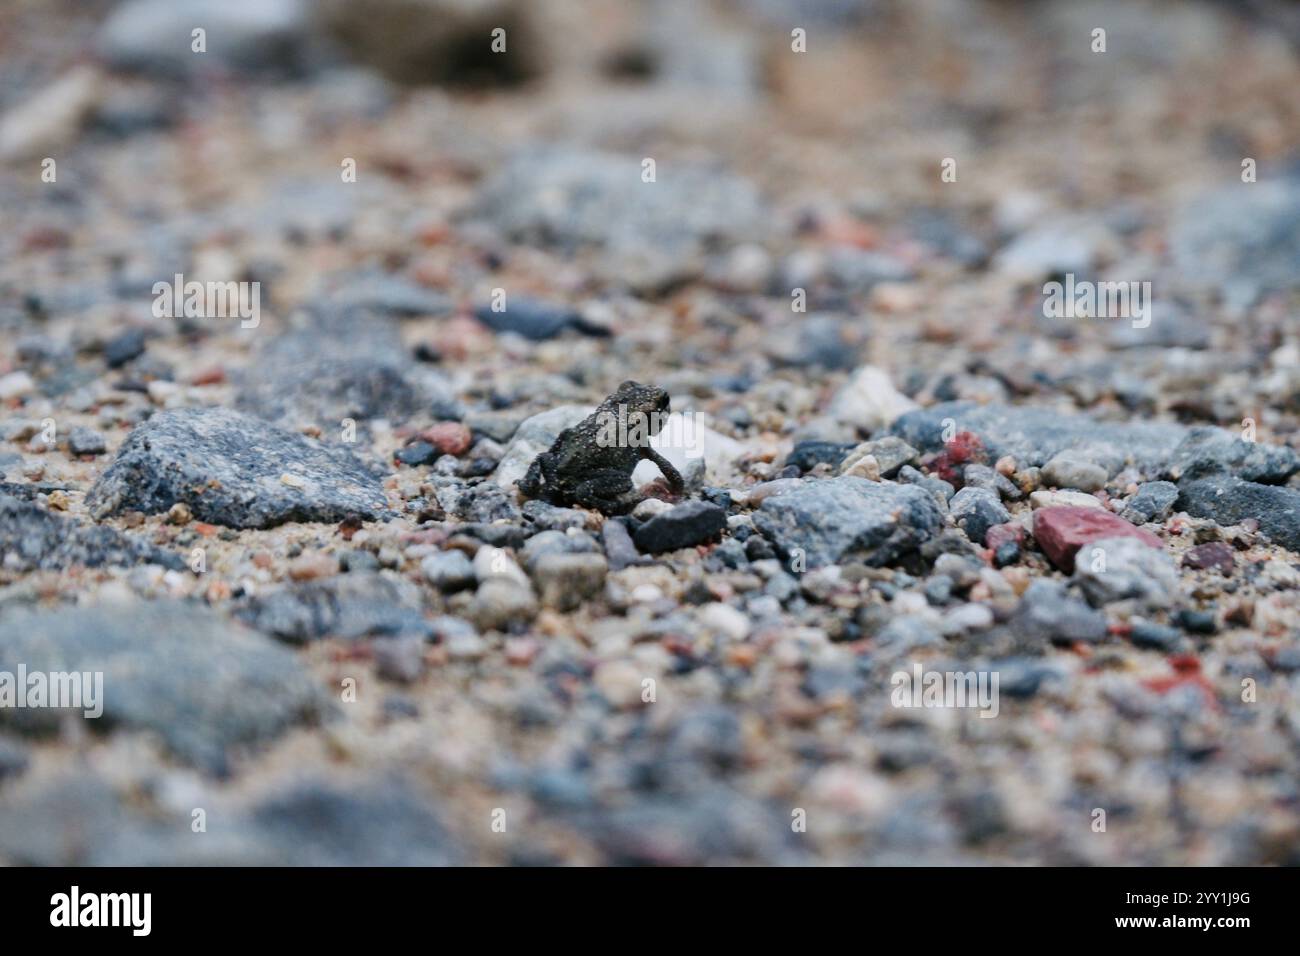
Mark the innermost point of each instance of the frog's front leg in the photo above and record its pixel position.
(609, 491)
(675, 480)
(540, 477)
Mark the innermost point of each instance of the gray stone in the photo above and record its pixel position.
(1209, 451)
(1231, 500)
(682, 526)
(1247, 232)
(388, 295)
(891, 454)
(620, 550)
(1152, 502)
(976, 510)
(941, 490)
(838, 519)
(1047, 612)
(86, 441)
(566, 581)
(1065, 470)
(234, 470)
(535, 320)
(13, 758)
(448, 570)
(346, 606)
(337, 365)
(154, 35)
(476, 501)
(386, 823)
(982, 476)
(399, 659)
(1034, 435)
(202, 684)
(1119, 569)
(652, 234)
(33, 539)
(499, 603)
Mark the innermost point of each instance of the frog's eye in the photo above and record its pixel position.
(662, 403)
(628, 386)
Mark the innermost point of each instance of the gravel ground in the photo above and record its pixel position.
(332, 629)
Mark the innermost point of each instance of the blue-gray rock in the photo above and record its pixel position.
(682, 526)
(33, 539)
(807, 454)
(202, 684)
(940, 489)
(848, 518)
(388, 295)
(976, 510)
(651, 233)
(982, 476)
(1152, 502)
(1230, 500)
(448, 571)
(1034, 435)
(346, 606)
(86, 441)
(536, 320)
(1209, 451)
(1121, 569)
(233, 470)
(336, 365)
(1245, 233)
(124, 347)
(154, 36)
(322, 823)
(13, 758)
(1047, 612)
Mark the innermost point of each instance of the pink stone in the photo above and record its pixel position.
(450, 438)
(1063, 530)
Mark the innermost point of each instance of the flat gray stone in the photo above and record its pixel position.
(1230, 500)
(204, 685)
(346, 606)
(33, 539)
(1033, 436)
(234, 470)
(839, 519)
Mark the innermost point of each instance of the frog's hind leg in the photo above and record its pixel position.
(609, 492)
(532, 483)
(674, 477)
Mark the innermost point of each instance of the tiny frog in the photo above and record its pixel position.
(591, 463)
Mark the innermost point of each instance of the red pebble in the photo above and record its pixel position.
(1215, 554)
(450, 438)
(1063, 530)
(1187, 672)
(957, 450)
(1000, 534)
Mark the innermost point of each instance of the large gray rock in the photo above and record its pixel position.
(85, 819)
(847, 518)
(155, 36)
(1245, 233)
(346, 606)
(1213, 451)
(1229, 500)
(1033, 436)
(234, 470)
(337, 365)
(204, 685)
(1118, 569)
(652, 233)
(33, 539)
